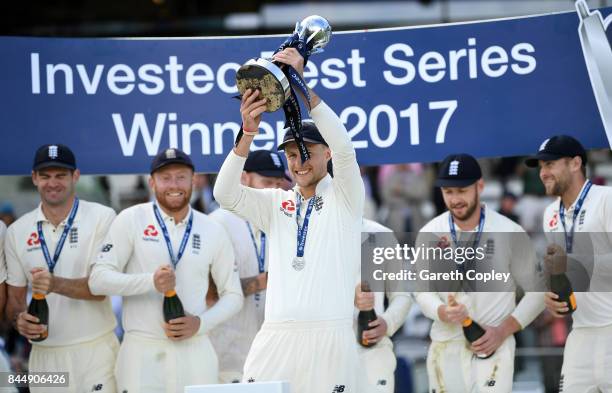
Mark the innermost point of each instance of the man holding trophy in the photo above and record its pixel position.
(314, 230)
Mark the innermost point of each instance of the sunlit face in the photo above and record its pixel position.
(255, 180)
(56, 186)
(556, 175)
(172, 185)
(309, 173)
(462, 201)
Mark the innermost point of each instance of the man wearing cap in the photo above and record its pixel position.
(451, 362)
(52, 248)
(578, 227)
(313, 233)
(232, 339)
(159, 247)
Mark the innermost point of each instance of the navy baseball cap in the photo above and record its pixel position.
(170, 156)
(310, 133)
(556, 147)
(458, 170)
(54, 156)
(265, 163)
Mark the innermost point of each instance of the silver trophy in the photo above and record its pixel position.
(268, 77)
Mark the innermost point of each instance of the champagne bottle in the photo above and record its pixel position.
(40, 309)
(560, 284)
(472, 332)
(173, 308)
(363, 320)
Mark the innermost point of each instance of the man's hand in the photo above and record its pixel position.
(254, 284)
(28, 327)
(378, 331)
(554, 306)
(452, 312)
(42, 280)
(292, 57)
(363, 300)
(164, 279)
(489, 342)
(182, 328)
(555, 260)
(251, 109)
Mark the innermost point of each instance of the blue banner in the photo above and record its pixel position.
(494, 88)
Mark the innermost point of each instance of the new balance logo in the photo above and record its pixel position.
(251, 380)
(453, 168)
(338, 389)
(490, 383)
(107, 247)
(53, 152)
(97, 388)
(382, 382)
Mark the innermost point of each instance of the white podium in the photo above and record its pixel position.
(255, 387)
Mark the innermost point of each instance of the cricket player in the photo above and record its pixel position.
(451, 362)
(154, 248)
(378, 361)
(51, 248)
(233, 338)
(314, 241)
(581, 214)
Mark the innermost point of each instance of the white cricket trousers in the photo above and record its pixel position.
(587, 361)
(147, 365)
(89, 365)
(453, 368)
(378, 367)
(314, 356)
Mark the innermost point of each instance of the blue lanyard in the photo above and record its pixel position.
(261, 256)
(569, 236)
(162, 224)
(303, 230)
(60, 245)
(481, 223)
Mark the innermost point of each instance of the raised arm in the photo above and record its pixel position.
(347, 177)
(249, 203)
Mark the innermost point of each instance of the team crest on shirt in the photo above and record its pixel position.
(288, 207)
(73, 237)
(318, 203)
(151, 234)
(554, 221)
(581, 218)
(196, 243)
(33, 241)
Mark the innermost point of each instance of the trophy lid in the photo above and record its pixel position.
(316, 31)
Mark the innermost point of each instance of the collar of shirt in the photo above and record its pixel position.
(169, 218)
(322, 185)
(475, 229)
(40, 216)
(569, 211)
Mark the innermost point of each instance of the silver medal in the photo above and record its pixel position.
(298, 263)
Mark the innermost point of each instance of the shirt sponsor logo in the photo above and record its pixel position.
(554, 221)
(33, 240)
(288, 207)
(150, 234)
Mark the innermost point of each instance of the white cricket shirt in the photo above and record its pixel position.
(324, 289)
(71, 321)
(135, 248)
(594, 309)
(487, 308)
